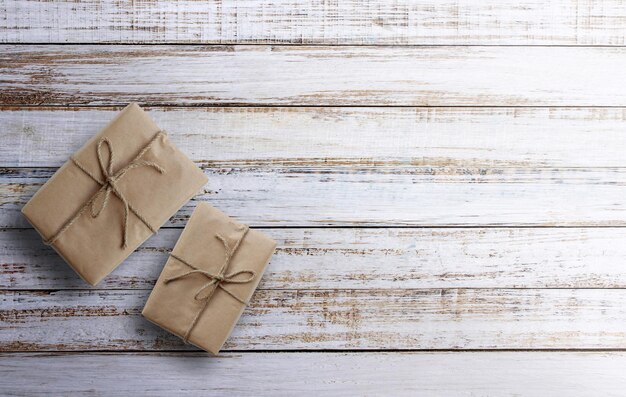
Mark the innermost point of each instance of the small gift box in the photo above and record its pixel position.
(112, 194)
(208, 279)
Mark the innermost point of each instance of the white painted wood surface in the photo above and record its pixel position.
(327, 195)
(331, 374)
(363, 319)
(314, 75)
(439, 138)
(419, 167)
(357, 258)
(528, 22)
(439, 176)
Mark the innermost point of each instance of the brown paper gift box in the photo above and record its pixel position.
(84, 220)
(202, 290)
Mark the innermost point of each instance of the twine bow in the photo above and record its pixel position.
(205, 293)
(98, 202)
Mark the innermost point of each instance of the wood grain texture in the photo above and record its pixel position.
(381, 137)
(514, 374)
(330, 319)
(365, 259)
(321, 195)
(391, 120)
(315, 21)
(305, 75)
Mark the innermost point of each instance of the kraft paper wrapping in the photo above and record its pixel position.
(191, 304)
(93, 245)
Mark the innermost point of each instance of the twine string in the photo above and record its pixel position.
(215, 280)
(108, 186)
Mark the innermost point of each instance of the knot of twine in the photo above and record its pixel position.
(98, 202)
(215, 280)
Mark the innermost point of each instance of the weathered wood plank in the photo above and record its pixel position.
(315, 21)
(366, 259)
(301, 75)
(335, 374)
(330, 319)
(428, 137)
(331, 195)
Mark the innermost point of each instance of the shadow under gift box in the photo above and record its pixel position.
(73, 213)
(211, 274)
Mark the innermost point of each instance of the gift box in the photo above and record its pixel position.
(112, 194)
(208, 279)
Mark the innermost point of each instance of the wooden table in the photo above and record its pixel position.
(446, 182)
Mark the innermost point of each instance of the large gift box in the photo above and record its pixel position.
(208, 279)
(112, 194)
